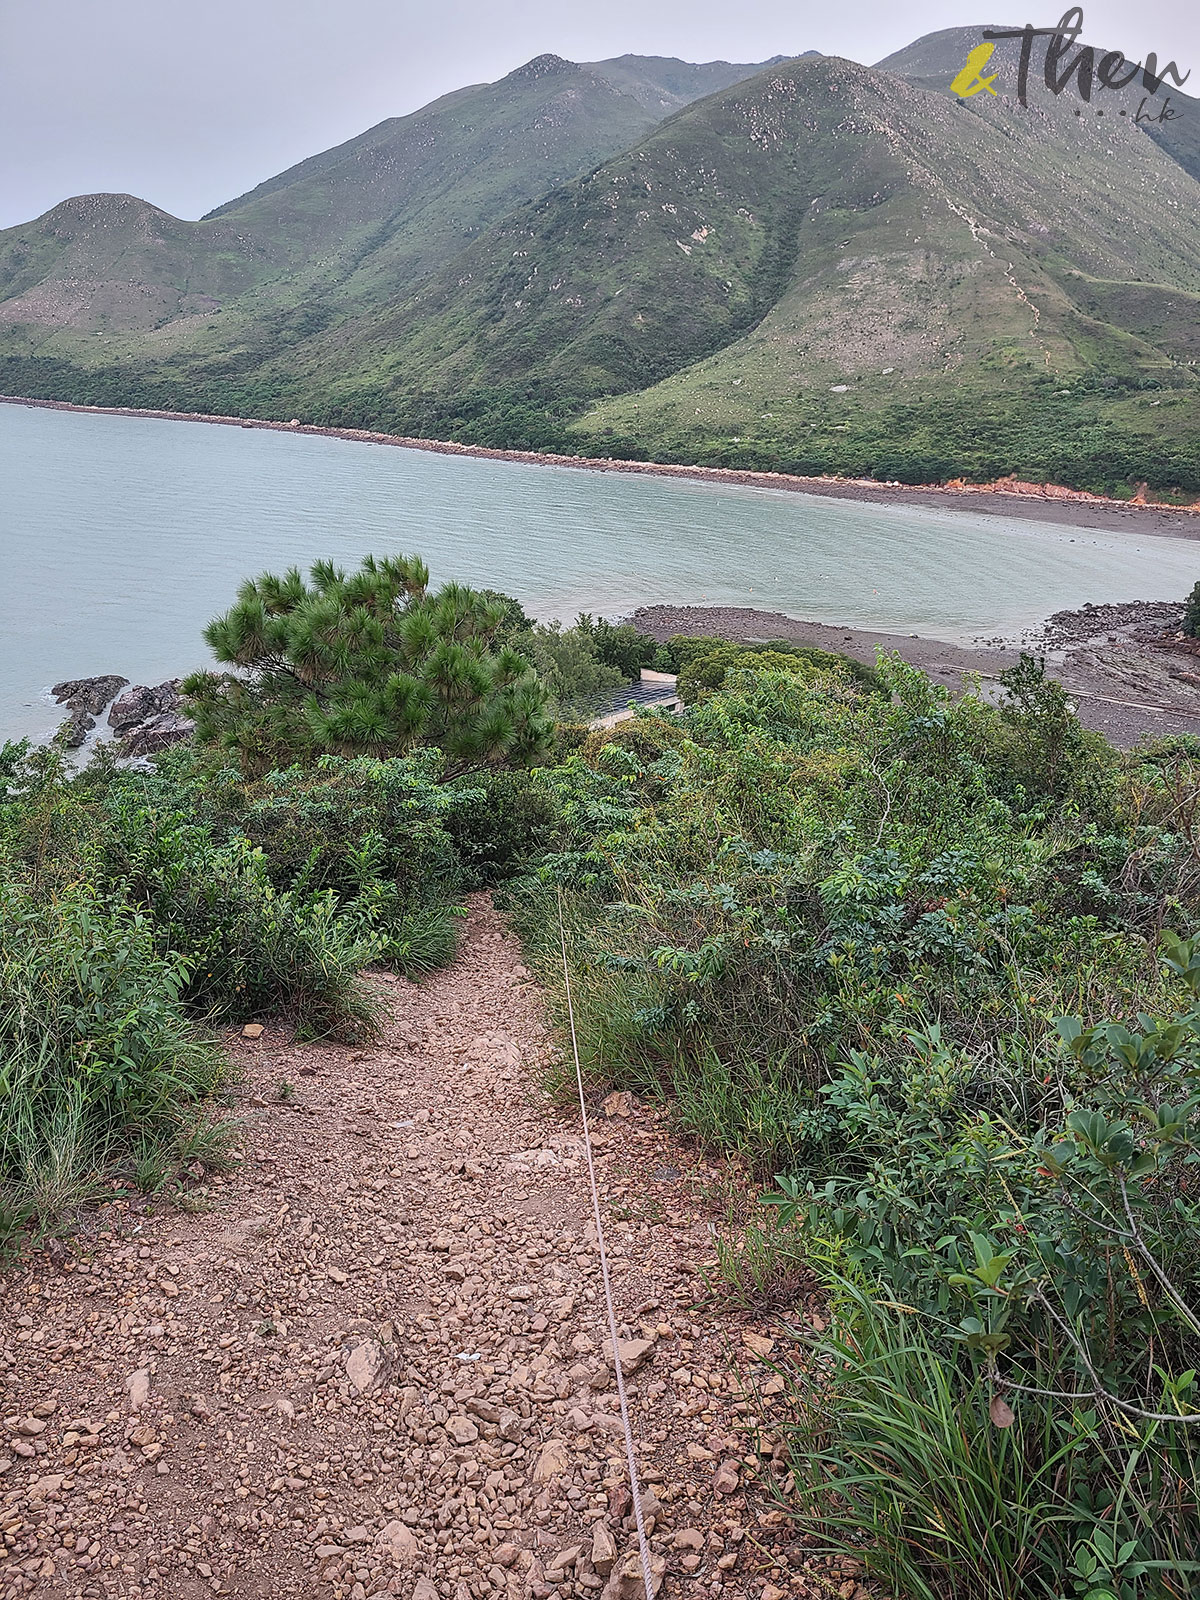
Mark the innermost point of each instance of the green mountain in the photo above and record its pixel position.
(826, 266)
(360, 222)
(110, 261)
(819, 267)
(663, 84)
(975, 289)
(936, 59)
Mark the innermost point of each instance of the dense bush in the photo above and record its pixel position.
(139, 907)
(1041, 1238)
(837, 927)
(619, 645)
(702, 665)
(96, 1056)
(569, 668)
(369, 663)
(1083, 439)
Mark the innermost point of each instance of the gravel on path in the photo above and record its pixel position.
(376, 1364)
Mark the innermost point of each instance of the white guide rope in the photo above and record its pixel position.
(634, 1487)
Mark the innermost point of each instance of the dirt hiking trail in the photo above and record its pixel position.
(377, 1365)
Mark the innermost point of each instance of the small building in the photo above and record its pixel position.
(652, 690)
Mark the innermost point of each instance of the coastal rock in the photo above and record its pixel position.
(150, 718)
(143, 703)
(88, 695)
(74, 730)
(157, 733)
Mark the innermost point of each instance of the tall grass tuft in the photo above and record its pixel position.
(423, 939)
(896, 1460)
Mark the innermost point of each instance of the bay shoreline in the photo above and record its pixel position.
(1073, 508)
(1125, 666)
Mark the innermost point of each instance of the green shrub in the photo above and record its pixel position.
(703, 663)
(499, 821)
(138, 904)
(95, 1052)
(1043, 746)
(1191, 612)
(833, 931)
(619, 645)
(897, 1462)
(569, 669)
(334, 825)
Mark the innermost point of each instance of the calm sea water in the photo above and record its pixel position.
(121, 537)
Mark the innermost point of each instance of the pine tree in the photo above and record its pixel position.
(366, 664)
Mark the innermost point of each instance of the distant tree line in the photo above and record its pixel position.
(1036, 434)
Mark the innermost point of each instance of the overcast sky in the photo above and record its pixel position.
(190, 105)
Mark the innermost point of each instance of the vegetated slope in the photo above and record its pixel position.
(936, 59)
(416, 189)
(1017, 296)
(354, 225)
(824, 251)
(664, 83)
(111, 261)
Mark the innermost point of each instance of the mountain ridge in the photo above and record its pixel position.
(821, 266)
(398, 199)
(936, 58)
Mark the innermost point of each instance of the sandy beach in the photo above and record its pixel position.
(1009, 497)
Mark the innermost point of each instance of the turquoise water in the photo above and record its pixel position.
(120, 537)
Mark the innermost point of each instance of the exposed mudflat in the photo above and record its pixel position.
(376, 1364)
(1131, 672)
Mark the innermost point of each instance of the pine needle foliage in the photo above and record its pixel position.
(368, 663)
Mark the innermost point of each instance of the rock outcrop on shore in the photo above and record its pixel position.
(85, 698)
(149, 719)
(145, 719)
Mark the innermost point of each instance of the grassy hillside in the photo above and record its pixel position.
(1019, 296)
(352, 226)
(824, 267)
(110, 261)
(408, 194)
(663, 84)
(937, 58)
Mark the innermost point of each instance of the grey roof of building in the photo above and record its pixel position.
(638, 694)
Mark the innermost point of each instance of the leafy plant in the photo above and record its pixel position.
(1191, 612)
(904, 1461)
(138, 906)
(569, 668)
(369, 663)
